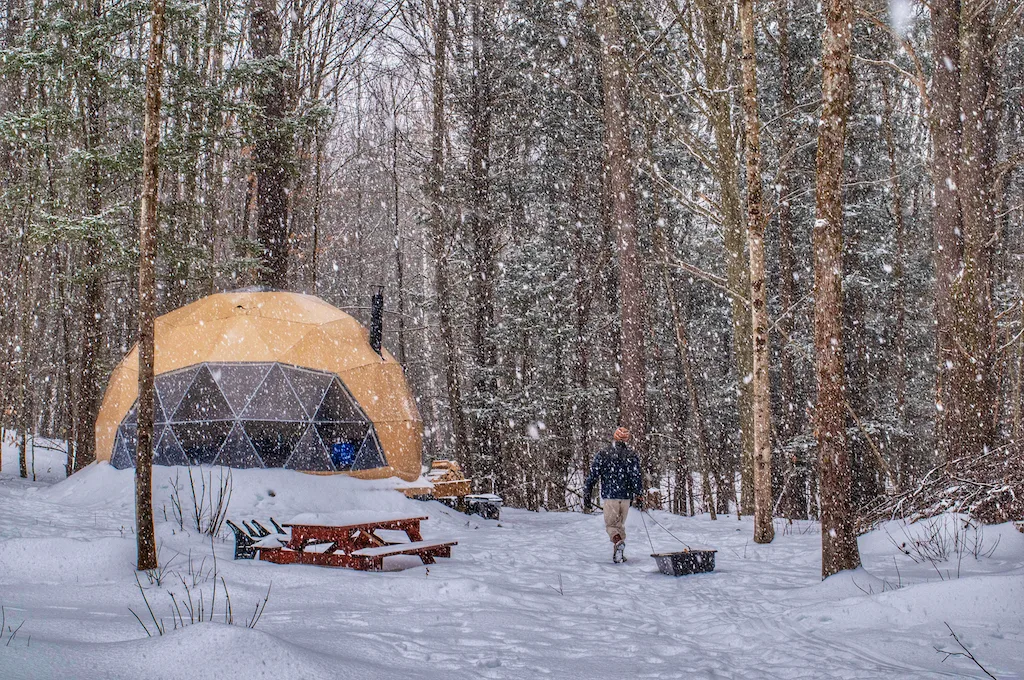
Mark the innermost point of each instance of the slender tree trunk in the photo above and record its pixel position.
(440, 238)
(146, 538)
(480, 223)
(618, 172)
(838, 538)
(696, 406)
(86, 406)
(399, 240)
(793, 503)
(764, 530)
(717, 34)
(899, 292)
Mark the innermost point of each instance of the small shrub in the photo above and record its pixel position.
(203, 504)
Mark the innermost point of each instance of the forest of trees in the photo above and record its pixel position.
(762, 234)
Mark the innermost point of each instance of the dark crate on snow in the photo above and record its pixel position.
(685, 562)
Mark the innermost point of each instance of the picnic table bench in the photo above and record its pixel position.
(356, 545)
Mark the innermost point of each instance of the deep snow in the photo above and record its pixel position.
(534, 595)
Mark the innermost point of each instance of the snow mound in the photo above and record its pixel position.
(205, 650)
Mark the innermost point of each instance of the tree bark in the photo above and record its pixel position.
(480, 223)
(793, 500)
(440, 242)
(899, 293)
(618, 171)
(146, 539)
(86, 406)
(764, 530)
(272, 144)
(726, 171)
(838, 538)
(963, 127)
(693, 393)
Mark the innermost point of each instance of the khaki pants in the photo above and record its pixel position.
(615, 511)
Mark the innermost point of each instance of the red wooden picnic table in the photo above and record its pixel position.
(356, 546)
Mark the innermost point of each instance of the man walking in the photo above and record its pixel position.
(618, 468)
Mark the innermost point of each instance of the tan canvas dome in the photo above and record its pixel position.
(267, 379)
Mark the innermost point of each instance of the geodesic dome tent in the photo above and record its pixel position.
(253, 379)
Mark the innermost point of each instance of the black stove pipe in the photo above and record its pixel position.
(377, 320)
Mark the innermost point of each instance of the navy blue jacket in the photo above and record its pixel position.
(618, 468)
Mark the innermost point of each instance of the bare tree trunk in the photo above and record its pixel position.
(718, 34)
(696, 405)
(764, 531)
(963, 129)
(899, 294)
(86, 406)
(975, 408)
(146, 538)
(440, 242)
(838, 538)
(272, 144)
(399, 240)
(793, 502)
(480, 223)
(619, 181)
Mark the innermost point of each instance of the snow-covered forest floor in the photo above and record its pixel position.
(530, 596)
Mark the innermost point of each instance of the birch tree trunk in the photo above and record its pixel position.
(618, 172)
(147, 295)
(764, 531)
(838, 538)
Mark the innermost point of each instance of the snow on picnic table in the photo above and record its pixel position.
(530, 596)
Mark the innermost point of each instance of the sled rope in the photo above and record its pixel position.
(644, 512)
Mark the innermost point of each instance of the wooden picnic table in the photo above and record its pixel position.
(356, 545)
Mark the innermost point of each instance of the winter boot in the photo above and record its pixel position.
(618, 553)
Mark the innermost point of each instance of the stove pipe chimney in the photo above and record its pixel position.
(377, 320)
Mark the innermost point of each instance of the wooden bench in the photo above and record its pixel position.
(425, 550)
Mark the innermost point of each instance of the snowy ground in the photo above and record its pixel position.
(534, 595)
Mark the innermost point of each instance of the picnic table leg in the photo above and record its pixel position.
(413, 532)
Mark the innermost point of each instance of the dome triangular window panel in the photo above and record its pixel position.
(310, 454)
(274, 400)
(337, 433)
(167, 450)
(238, 382)
(274, 440)
(203, 401)
(122, 458)
(369, 455)
(237, 451)
(171, 387)
(201, 440)
(159, 415)
(310, 387)
(339, 406)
